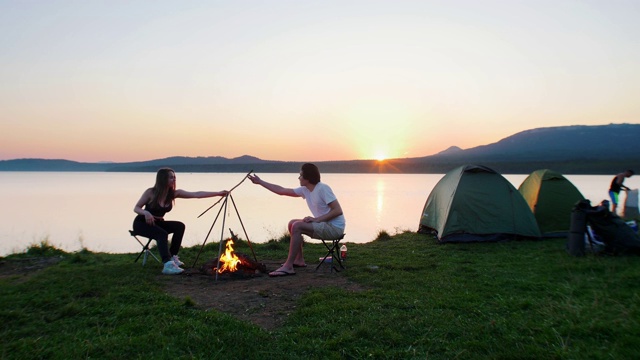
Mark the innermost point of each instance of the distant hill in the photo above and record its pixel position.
(560, 143)
(50, 165)
(450, 150)
(186, 162)
(578, 149)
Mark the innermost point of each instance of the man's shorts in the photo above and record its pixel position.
(614, 197)
(323, 230)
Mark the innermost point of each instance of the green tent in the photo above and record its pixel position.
(551, 198)
(475, 203)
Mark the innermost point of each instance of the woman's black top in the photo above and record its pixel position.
(157, 210)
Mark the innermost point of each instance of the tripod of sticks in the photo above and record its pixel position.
(225, 203)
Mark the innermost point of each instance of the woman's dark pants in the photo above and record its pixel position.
(160, 233)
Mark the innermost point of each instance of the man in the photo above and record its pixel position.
(616, 186)
(326, 223)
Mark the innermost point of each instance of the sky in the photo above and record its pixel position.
(295, 80)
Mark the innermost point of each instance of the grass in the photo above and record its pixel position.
(507, 300)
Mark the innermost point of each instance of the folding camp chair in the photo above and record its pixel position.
(333, 250)
(145, 248)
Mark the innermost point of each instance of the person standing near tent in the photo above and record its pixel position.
(154, 203)
(327, 222)
(616, 186)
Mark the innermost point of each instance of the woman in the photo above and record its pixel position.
(327, 222)
(153, 204)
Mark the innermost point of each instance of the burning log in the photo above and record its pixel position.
(233, 263)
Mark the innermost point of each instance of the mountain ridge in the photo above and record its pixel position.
(579, 149)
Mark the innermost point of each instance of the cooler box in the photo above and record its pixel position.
(630, 207)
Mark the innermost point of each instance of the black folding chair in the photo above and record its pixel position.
(145, 248)
(333, 250)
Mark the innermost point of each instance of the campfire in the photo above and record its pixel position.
(235, 265)
(228, 261)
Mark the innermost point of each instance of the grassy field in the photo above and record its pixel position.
(507, 300)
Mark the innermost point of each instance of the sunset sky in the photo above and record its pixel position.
(306, 80)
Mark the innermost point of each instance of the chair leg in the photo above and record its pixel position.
(323, 261)
(336, 251)
(145, 250)
(333, 250)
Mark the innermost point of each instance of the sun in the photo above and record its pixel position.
(380, 157)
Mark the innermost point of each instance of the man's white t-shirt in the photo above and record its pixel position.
(318, 201)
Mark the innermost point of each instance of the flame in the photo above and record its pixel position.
(228, 261)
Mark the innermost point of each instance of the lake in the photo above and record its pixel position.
(94, 210)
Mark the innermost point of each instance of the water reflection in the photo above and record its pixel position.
(380, 203)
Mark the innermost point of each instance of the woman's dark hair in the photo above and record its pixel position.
(311, 173)
(161, 189)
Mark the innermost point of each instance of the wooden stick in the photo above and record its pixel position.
(208, 233)
(243, 229)
(216, 203)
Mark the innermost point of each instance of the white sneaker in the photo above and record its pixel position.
(170, 268)
(176, 260)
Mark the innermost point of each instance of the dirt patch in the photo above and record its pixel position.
(261, 300)
(24, 267)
